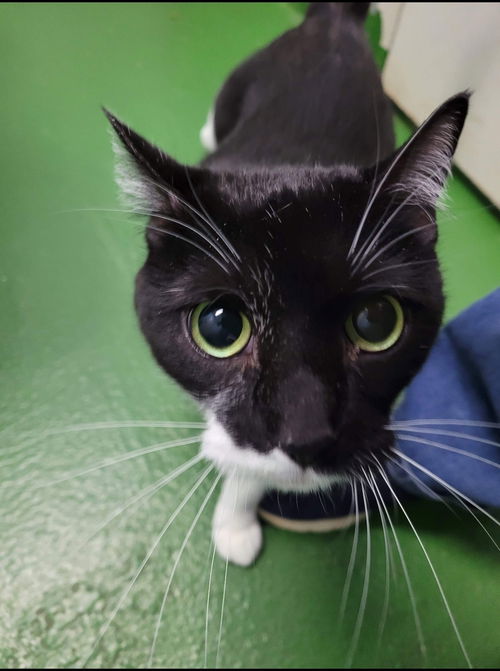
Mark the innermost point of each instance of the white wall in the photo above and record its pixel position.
(438, 49)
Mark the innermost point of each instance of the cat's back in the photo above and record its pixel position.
(313, 96)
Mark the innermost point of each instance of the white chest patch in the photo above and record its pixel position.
(274, 469)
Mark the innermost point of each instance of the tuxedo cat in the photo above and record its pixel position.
(291, 284)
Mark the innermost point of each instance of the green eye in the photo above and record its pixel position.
(219, 329)
(376, 324)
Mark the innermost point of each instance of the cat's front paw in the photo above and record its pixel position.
(239, 544)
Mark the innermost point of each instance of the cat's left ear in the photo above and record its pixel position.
(150, 180)
(417, 172)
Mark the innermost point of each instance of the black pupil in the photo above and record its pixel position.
(375, 320)
(220, 325)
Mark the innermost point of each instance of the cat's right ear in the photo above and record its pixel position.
(150, 180)
(418, 171)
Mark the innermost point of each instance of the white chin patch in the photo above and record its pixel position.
(274, 468)
(207, 133)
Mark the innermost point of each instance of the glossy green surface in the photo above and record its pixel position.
(71, 354)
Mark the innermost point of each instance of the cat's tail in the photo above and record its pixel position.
(327, 10)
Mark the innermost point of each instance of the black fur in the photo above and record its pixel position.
(305, 139)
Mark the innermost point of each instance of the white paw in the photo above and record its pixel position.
(239, 544)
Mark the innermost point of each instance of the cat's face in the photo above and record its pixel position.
(294, 304)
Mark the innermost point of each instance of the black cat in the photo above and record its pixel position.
(291, 284)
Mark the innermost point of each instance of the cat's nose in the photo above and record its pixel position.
(307, 454)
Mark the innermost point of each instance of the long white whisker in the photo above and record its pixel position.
(193, 229)
(403, 236)
(99, 426)
(398, 156)
(157, 447)
(157, 215)
(212, 223)
(207, 220)
(449, 448)
(176, 563)
(388, 559)
(427, 490)
(207, 612)
(221, 620)
(448, 422)
(352, 558)
(146, 559)
(446, 485)
(165, 231)
(150, 490)
(397, 265)
(369, 246)
(366, 582)
(223, 603)
(459, 499)
(404, 566)
(438, 582)
(139, 211)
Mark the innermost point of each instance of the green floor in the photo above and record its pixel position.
(72, 354)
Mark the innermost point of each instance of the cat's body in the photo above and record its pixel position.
(301, 232)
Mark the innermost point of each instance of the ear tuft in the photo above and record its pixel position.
(149, 179)
(420, 168)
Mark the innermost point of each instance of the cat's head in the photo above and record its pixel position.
(294, 303)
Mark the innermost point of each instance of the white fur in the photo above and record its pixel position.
(236, 530)
(207, 133)
(425, 180)
(136, 191)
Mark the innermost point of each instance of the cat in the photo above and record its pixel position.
(291, 284)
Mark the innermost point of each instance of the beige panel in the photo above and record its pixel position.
(438, 49)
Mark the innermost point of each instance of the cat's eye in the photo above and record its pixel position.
(219, 328)
(376, 323)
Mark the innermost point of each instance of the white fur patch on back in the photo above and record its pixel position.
(207, 133)
(275, 468)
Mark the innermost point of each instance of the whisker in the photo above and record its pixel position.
(425, 488)
(219, 637)
(446, 485)
(388, 559)
(352, 558)
(449, 422)
(443, 446)
(414, 231)
(139, 211)
(212, 224)
(398, 156)
(151, 489)
(223, 603)
(157, 447)
(207, 612)
(431, 566)
(411, 593)
(204, 217)
(366, 582)
(379, 231)
(99, 426)
(176, 563)
(397, 265)
(193, 229)
(471, 512)
(165, 231)
(146, 559)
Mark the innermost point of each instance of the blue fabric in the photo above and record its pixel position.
(460, 382)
